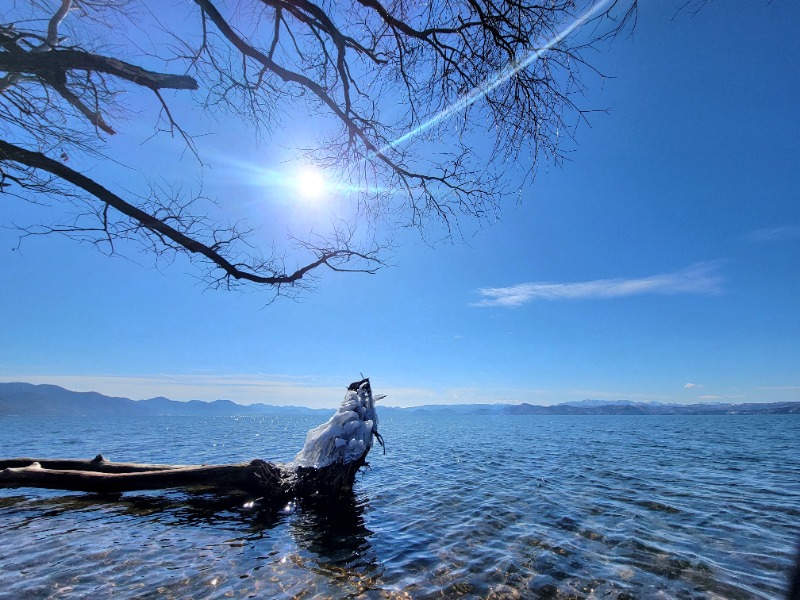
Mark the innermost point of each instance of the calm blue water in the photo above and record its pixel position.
(460, 507)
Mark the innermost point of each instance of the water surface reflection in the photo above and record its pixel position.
(473, 507)
(179, 545)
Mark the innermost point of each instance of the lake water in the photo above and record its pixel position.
(459, 507)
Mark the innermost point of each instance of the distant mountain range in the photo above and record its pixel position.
(51, 400)
(611, 407)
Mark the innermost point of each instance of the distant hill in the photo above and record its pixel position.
(52, 400)
(640, 408)
(607, 407)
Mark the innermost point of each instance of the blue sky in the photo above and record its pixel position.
(659, 263)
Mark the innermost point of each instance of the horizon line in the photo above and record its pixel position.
(597, 402)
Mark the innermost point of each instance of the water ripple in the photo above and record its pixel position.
(460, 507)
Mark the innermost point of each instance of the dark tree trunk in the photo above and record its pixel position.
(258, 477)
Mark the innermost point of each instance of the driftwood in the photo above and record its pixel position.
(103, 477)
(325, 468)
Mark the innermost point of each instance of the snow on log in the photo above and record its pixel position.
(324, 469)
(334, 451)
(347, 436)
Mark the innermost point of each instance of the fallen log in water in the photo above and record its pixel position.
(325, 468)
(257, 477)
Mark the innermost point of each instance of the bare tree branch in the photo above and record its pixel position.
(422, 110)
(53, 66)
(329, 257)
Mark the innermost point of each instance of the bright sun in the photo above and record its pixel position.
(310, 183)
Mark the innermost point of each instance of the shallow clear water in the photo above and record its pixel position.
(460, 507)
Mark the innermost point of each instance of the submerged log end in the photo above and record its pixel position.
(265, 479)
(329, 482)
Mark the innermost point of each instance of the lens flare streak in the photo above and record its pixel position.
(499, 79)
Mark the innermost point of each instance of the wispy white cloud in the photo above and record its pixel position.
(691, 386)
(577, 394)
(778, 393)
(723, 397)
(774, 234)
(700, 278)
(780, 388)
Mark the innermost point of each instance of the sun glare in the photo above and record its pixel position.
(310, 184)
